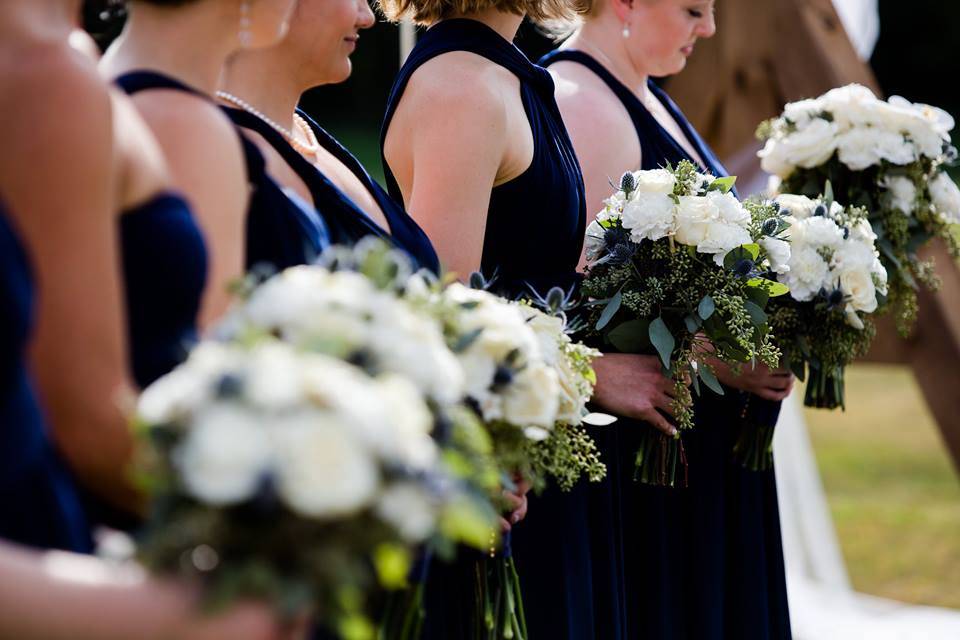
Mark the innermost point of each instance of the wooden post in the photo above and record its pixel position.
(767, 53)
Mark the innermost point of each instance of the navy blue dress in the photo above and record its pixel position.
(534, 234)
(347, 222)
(39, 505)
(281, 230)
(705, 562)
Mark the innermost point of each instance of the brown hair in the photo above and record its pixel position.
(426, 12)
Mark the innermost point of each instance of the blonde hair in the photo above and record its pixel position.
(426, 12)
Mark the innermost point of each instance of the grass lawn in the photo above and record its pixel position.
(893, 492)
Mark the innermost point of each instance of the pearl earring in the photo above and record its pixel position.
(626, 30)
(245, 36)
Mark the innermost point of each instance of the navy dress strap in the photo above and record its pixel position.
(39, 505)
(347, 222)
(404, 230)
(281, 230)
(655, 149)
(551, 185)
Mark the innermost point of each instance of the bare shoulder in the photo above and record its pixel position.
(191, 130)
(459, 84)
(584, 99)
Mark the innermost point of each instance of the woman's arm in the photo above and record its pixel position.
(58, 176)
(64, 596)
(445, 145)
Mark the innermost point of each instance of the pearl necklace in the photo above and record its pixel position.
(312, 146)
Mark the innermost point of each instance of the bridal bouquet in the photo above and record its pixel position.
(836, 279)
(888, 157)
(309, 452)
(529, 384)
(297, 477)
(678, 267)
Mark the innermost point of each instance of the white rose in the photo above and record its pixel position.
(654, 181)
(722, 238)
(893, 147)
(549, 332)
(858, 285)
(802, 112)
(901, 191)
(775, 160)
(323, 470)
(174, 396)
(224, 456)
(859, 148)
(649, 216)
(595, 244)
(818, 230)
(409, 509)
(807, 275)
(778, 252)
(946, 198)
(854, 255)
(533, 398)
(813, 145)
(693, 219)
(800, 207)
(273, 377)
(572, 401)
(731, 210)
(408, 440)
(852, 105)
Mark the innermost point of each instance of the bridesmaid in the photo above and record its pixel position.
(705, 562)
(247, 218)
(473, 144)
(263, 87)
(66, 207)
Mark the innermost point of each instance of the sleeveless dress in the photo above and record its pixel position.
(39, 505)
(705, 562)
(281, 230)
(347, 222)
(534, 235)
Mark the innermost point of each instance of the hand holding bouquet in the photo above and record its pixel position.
(678, 267)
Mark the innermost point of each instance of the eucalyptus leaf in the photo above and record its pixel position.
(710, 379)
(662, 339)
(610, 310)
(692, 322)
(706, 308)
(758, 315)
(631, 336)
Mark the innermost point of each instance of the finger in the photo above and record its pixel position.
(668, 388)
(519, 513)
(523, 485)
(665, 404)
(504, 525)
(771, 394)
(512, 500)
(659, 422)
(778, 383)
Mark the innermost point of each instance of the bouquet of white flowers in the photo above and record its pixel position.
(529, 384)
(835, 278)
(297, 477)
(678, 267)
(888, 157)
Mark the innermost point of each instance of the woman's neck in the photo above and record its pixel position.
(506, 24)
(189, 44)
(267, 82)
(602, 39)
